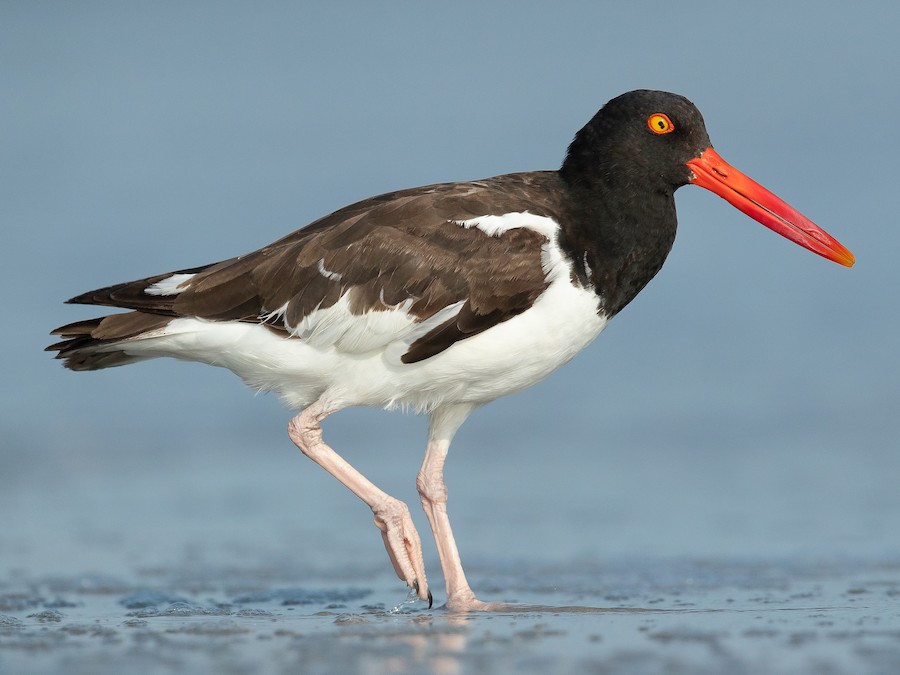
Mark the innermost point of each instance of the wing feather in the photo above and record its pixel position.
(403, 251)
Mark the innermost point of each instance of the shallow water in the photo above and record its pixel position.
(699, 545)
(629, 616)
(214, 559)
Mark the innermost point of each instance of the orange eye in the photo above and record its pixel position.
(660, 123)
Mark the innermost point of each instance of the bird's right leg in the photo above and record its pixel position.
(391, 515)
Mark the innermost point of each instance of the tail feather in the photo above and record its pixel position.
(134, 295)
(99, 343)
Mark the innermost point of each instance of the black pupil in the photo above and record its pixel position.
(661, 123)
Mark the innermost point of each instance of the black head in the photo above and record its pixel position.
(624, 165)
(644, 136)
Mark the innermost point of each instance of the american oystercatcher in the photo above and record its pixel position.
(438, 298)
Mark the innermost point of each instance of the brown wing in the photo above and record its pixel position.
(402, 247)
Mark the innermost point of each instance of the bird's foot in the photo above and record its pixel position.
(465, 601)
(403, 545)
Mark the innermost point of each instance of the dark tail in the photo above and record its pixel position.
(92, 344)
(98, 343)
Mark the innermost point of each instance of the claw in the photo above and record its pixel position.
(415, 587)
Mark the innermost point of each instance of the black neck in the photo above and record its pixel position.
(616, 235)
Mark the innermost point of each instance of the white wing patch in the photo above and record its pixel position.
(172, 285)
(494, 226)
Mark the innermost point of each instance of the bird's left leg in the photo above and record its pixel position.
(445, 421)
(391, 515)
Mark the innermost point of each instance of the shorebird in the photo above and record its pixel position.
(439, 298)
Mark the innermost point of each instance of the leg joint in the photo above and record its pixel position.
(389, 512)
(432, 487)
(305, 431)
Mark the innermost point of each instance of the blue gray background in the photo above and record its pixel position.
(745, 405)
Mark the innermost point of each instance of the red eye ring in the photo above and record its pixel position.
(660, 123)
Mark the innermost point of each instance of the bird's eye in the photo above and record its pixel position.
(660, 123)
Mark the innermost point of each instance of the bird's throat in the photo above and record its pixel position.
(617, 238)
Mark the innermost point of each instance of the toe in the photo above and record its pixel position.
(403, 545)
(423, 593)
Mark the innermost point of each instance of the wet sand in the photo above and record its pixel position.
(213, 558)
(594, 616)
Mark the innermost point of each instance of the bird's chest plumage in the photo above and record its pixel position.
(517, 353)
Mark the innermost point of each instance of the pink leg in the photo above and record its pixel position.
(445, 421)
(391, 515)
